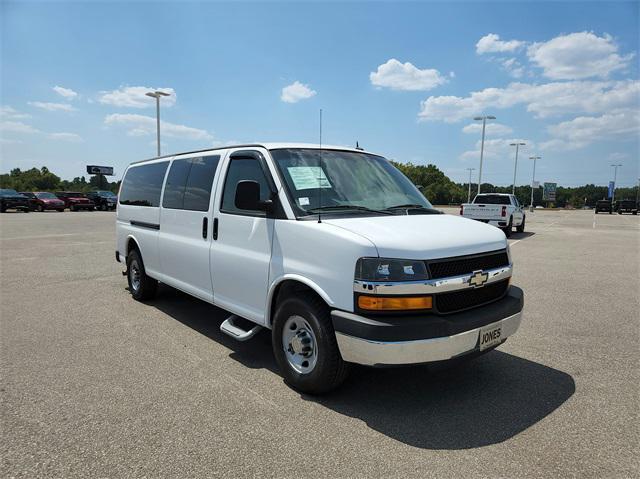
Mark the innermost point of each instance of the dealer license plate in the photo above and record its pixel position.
(490, 336)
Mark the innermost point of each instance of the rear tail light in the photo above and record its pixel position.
(504, 211)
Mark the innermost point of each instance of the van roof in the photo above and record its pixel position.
(266, 146)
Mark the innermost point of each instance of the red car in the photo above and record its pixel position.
(43, 200)
(76, 201)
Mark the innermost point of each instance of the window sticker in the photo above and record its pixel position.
(304, 201)
(308, 177)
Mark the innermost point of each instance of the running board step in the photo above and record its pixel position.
(230, 328)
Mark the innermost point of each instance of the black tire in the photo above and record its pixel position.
(330, 370)
(91, 209)
(61, 210)
(596, 212)
(41, 208)
(2, 209)
(72, 208)
(141, 287)
(26, 210)
(635, 213)
(507, 229)
(610, 212)
(520, 229)
(103, 208)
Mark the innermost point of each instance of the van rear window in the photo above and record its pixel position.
(142, 184)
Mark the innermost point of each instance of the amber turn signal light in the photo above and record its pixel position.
(397, 303)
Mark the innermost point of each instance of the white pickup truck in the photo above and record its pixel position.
(497, 209)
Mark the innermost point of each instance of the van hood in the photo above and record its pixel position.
(424, 236)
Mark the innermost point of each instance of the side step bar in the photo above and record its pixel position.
(230, 328)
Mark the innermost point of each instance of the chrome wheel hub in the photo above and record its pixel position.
(299, 344)
(134, 273)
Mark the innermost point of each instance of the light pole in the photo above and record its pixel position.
(533, 178)
(469, 194)
(515, 168)
(615, 178)
(484, 123)
(157, 94)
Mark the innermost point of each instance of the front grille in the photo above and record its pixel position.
(470, 298)
(467, 264)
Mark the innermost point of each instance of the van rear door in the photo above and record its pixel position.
(185, 224)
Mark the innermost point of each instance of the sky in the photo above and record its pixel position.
(405, 80)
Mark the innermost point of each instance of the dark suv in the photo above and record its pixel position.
(75, 201)
(626, 206)
(11, 199)
(104, 200)
(604, 206)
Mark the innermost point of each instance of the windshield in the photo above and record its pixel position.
(106, 194)
(5, 192)
(345, 179)
(492, 200)
(46, 196)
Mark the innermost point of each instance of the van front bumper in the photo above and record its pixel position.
(409, 339)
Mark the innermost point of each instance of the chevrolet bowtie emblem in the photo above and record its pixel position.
(478, 279)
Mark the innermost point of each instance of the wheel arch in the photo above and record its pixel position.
(292, 283)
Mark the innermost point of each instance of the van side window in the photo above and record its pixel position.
(242, 169)
(142, 185)
(189, 183)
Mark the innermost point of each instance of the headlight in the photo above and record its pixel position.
(387, 269)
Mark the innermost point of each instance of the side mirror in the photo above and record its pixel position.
(248, 197)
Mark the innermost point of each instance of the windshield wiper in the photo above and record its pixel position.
(412, 206)
(347, 207)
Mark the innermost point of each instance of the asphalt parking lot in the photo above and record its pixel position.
(94, 384)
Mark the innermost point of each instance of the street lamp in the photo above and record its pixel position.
(515, 168)
(469, 194)
(615, 178)
(157, 94)
(533, 178)
(484, 123)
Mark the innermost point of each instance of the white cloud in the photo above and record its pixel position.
(72, 137)
(491, 43)
(496, 148)
(295, 92)
(544, 100)
(16, 127)
(513, 67)
(584, 130)
(578, 56)
(491, 129)
(405, 76)
(52, 106)
(8, 113)
(140, 125)
(67, 93)
(135, 97)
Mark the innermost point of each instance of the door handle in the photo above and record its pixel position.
(205, 227)
(215, 228)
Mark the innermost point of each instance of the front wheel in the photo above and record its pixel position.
(141, 286)
(41, 208)
(520, 229)
(305, 346)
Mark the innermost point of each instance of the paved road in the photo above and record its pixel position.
(94, 384)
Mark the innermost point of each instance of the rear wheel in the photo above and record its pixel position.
(305, 346)
(520, 229)
(141, 286)
(61, 210)
(508, 228)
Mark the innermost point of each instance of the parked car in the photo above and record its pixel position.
(11, 199)
(43, 200)
(104, 200)
(75, 201)
(497, 209)
(334, 250)
(603, 206)
(627, 206)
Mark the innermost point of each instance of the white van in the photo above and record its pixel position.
(333, 249)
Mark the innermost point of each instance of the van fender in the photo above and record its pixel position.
(300, 279)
